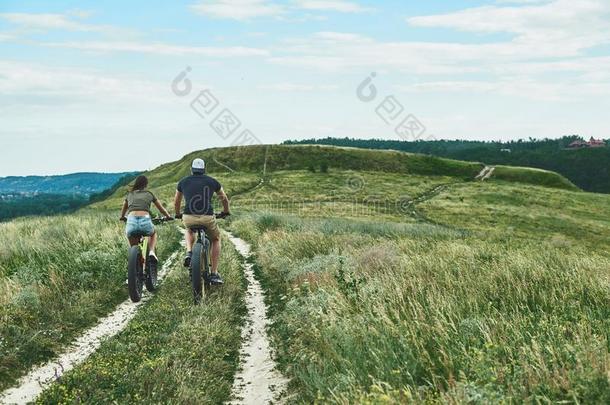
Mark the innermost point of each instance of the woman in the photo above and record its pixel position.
(137, 207)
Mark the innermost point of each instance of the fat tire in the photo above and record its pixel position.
(206, 265)
(196, 276)
(151, 274)
(134, 274)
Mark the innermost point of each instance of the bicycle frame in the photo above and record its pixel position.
(144, 248)
(202, 238)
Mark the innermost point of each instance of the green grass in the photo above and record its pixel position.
(347, 194)
(533, 176)
(347, 186)
(57, 276)
(566, 218)
(422, 313)
(172, 351)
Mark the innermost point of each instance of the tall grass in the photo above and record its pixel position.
(57, 276)
(362, 316)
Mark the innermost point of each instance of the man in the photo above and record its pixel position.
(197, 191)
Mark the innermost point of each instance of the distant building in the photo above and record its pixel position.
(597, 143)
(593, 143)
(506, 150)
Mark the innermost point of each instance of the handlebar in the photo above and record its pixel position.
(221, 215)
(161, 220)
(154, 220)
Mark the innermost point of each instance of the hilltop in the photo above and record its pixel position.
(244, 166)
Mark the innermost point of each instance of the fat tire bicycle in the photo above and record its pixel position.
(199, 268)
(141, 270)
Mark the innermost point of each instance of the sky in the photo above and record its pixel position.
(120, 86)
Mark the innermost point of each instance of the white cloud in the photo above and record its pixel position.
(243, 10)
(159, 48)
(34, 84)
(565, 24)
(521, 87)
(559, 30)
(298, 87)
(522, 1)
(238, 9)
(337, 5)
(331, 36)
(337, 51)
(52, 22)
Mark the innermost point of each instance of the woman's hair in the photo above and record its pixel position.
(140, 183)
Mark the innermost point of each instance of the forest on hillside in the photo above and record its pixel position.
(14, 202)
(83, 184)
(588, 168)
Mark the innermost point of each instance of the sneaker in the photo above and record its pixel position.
(215, 279)
(187, 259)
(153, 258)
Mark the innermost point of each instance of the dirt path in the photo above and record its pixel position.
(488, 174)
(258, 381)
(485, 173)
(39, 378)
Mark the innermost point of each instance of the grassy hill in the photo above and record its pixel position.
(587, 168)
(391, 278)
(240, 168)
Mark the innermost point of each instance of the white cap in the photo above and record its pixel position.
(198, 164)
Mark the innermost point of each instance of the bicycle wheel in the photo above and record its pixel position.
(197, 261)
(151, 274)
(135, 273)
(206, 264)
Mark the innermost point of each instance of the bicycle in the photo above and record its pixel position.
(140, 269)
(200, 260)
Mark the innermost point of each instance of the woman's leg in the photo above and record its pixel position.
(152, 242)
(133, 241)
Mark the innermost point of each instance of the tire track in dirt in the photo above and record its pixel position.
(258, 381)
(40, 378)
(486, 173)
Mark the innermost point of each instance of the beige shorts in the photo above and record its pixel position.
(209, 221)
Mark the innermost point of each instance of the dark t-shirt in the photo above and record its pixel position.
(198, 190)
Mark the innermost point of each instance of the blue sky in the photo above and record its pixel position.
(87, 86)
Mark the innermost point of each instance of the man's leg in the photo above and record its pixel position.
(215, 254)
(189, 240)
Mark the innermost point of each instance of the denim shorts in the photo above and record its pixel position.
(139, 226)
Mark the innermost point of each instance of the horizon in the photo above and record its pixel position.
(112, 87)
